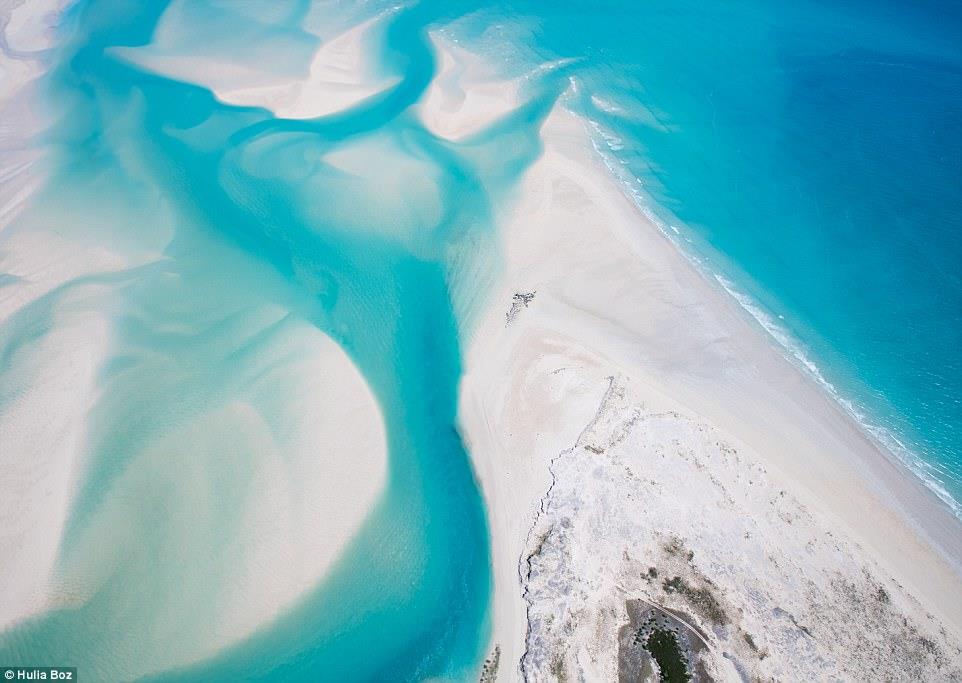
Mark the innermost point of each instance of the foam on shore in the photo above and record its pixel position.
(624, 414)
(605, 144)
(592, 290)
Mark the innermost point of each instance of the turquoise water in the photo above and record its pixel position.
(255, 231)
(810, 153)
(807, 152)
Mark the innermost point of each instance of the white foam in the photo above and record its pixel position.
(606, 145)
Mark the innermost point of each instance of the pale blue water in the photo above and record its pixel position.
(250, 207)
(809, 151)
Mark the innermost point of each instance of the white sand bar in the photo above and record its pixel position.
(626, 415)
(465, 95)
(339, 75)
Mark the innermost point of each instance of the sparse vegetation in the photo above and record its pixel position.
(701, 599)
(674, 546)
(558, 668)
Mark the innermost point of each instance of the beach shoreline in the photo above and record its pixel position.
(591, 283)
(643, 446)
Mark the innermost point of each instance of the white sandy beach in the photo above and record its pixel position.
(618, 404)
(638, 437)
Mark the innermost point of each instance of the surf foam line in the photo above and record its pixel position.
(606, 145)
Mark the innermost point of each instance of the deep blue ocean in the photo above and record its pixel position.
(808, 154)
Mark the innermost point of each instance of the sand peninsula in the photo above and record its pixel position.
(668, 493)
(654, 463)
